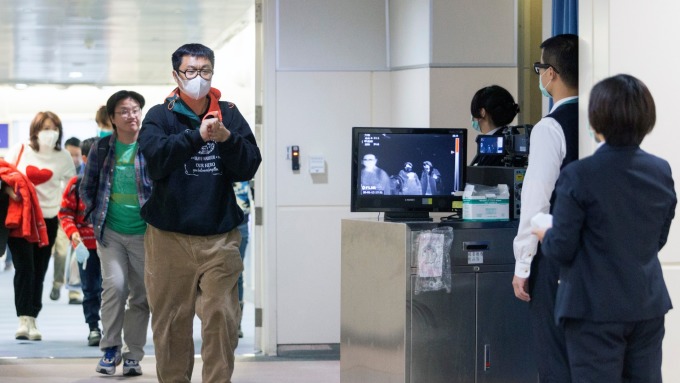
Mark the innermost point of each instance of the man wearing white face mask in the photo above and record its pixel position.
(554, 144)
(195, 147)
(48, 167)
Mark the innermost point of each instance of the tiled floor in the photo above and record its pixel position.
(63, 354)
(82, 371)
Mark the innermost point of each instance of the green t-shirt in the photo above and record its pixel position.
(122, 215)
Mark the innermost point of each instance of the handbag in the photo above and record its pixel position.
(70, 280)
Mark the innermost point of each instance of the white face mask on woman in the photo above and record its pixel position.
(196, 88)
(48, 138)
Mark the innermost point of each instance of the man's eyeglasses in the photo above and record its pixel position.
(538, 65)
(129, 112)
(191, 74)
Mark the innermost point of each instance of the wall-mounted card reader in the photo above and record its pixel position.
(295, 157)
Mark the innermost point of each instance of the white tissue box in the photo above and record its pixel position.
(486, 203)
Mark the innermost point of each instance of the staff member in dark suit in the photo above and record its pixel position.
(612, 216)
(554, 144)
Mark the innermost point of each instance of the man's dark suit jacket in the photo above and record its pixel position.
(611, 217)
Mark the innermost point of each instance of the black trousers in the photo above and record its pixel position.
(91, 284)
(615, 352)
(550, 347)
(30, 264)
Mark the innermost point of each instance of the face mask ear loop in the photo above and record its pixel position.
(543, 89)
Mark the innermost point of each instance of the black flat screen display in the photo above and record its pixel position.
(407, 169)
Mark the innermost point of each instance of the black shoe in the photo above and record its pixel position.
(94, 337)
(55, 294)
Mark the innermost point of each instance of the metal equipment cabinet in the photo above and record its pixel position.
(479, 332)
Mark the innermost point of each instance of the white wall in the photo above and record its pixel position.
(474, 33)
(328, 75)
(622, 36)
(317, 89)
(337, 35)
(410, 25)
(310, 206)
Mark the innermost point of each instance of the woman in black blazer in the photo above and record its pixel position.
(612, 215)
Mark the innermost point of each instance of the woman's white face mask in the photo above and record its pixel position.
(196, 88)
(48, 138)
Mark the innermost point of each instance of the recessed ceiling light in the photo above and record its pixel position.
(75, 74)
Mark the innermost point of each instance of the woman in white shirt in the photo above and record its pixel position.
(48, 167)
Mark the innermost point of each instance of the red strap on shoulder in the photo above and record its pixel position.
(19, 158)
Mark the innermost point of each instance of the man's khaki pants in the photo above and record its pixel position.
(187, 275)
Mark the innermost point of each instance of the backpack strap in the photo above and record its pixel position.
(102, 151)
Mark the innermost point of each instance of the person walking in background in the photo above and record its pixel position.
(104, 127)
(72, 145)
(42, 160)
(113, 188)
(196, 146)
(410, 183)
(606, 237)
(554, 144)
(243, 192)
(373, 179)
(430, 179)
(81, 233)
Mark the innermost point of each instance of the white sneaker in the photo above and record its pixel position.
(131, 367)
(33, 332)
(22, 331)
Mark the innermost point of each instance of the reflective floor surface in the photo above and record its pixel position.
(63, 354)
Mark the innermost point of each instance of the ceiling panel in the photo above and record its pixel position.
(108, 42)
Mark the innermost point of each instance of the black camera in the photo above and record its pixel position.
(512, 146)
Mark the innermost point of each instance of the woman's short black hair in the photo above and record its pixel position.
(497, 102)
(120, 96)
(622, 109)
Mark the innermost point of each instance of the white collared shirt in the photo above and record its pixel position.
(548, 147)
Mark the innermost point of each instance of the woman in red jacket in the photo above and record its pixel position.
(44, 162)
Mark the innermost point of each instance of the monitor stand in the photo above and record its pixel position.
(407, 216)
